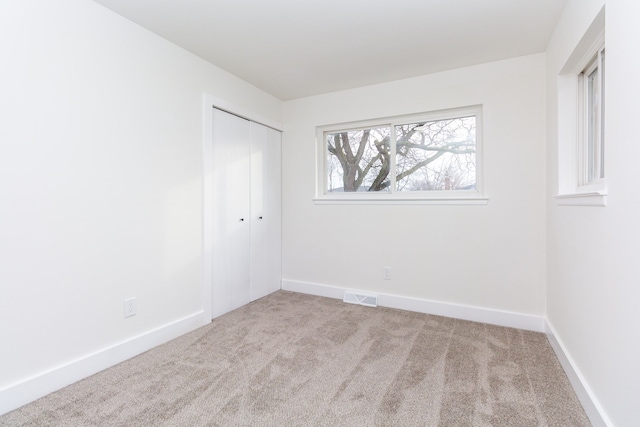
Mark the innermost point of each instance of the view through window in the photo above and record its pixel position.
(406, 154)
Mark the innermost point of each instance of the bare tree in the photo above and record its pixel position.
(429, 156)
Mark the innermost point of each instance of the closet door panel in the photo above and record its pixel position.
(231, 188)
(266, 211)
(273, 185)
(260, 214)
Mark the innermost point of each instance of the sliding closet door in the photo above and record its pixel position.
(273, 186)
(265, 211)
(232, 215)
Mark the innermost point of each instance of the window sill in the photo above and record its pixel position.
(395, 200)
(593, 198)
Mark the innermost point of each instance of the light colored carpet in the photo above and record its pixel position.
(297, 360)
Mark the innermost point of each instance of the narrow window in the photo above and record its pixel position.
(593, 120)
(581, 121)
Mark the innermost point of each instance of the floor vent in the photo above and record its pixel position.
(361, 299)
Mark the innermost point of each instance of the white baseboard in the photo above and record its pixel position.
(475, 314)
(41, 384)
(590, 404)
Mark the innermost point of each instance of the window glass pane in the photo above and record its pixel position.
(436, 155)
(358, 160)
(594, 118)
(602, 104)
(592, 125)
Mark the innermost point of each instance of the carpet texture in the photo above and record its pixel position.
(297, 360)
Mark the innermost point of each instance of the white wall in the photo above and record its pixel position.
(593, 280)
(100, 183)
(482, 256)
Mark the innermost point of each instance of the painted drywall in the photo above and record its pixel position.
(489, 256)
(592, 251)
(100, 181)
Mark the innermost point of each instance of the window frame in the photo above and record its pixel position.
(472, 196)
(588, 140)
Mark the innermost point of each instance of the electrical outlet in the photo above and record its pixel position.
(130, 307)
(386, 275)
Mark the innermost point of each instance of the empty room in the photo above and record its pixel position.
(305, 212)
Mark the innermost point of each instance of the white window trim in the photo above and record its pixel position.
(455, 197)
(573, 189)
(592, 198)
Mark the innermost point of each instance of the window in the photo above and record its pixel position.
(422, 156)
(591, 81)
(581, 121)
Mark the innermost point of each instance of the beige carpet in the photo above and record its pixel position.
(297, 360)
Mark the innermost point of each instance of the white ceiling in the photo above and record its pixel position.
(297, 48)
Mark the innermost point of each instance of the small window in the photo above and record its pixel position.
(593, 144)
(418, 156)
(581, 121)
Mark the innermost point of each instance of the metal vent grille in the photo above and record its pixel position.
(361, 299)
